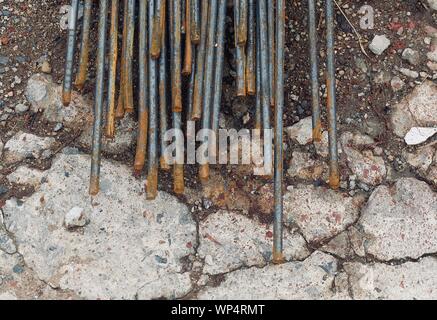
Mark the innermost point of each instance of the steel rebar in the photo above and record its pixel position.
(112, 77)
(163, 95)
(219, 61)
(98, 104)
(128, 75)
(265, 92)
(314, 71)
(141, 149)
(152, 161)
(195, 21)
(176, 81)
(198, 84)
(251, 49)
(71, 46)
(279, 99)
(240, 54)
(334, 175)
(271, 48)
(84, 45)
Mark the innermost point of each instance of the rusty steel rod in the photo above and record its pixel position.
(128, 75)
(188, 47)
(258, 102)
(84, 45)
(219, 61)
(69, 59)
(198, 84)
(264, 66)
(152, 160)
(191, 84)
(176, 86)
(314, 71)
(163, 96)
(251, 48)
(242, 23)
(98, 103)
(334, 174)
(208, 80)
(119, 112)
(240, 54)
(141, 149)
(279, 109)
(271, 48)
(112, 76)
(156, 24)
(195, 21)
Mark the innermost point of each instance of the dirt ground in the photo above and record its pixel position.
(30, 31)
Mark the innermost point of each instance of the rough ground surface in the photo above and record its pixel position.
(375, 238)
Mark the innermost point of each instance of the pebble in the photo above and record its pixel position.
(412, 56)
(379, 44)
(75, 218)
(409, 73)
(46, 67)
(21, 108)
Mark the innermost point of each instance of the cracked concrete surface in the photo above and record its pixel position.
(136, 249)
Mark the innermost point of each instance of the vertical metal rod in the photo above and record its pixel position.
(314, 71)
(271, 47)
(152, 176)
(195, 21)
(198, 84)
(176, 59)
(250, 56)
(112, 77)
(98, 104)
(219, 60)
(240, 54)
(334, 175)
(163, 97)
(208, 81)
(119, 113)
(279, 98)
(264, 59)
(242, 25)
(69, 59)
(128, 79)
(141, 149)
(258, 102)
(157, 30)
(178, 168)
(191, 84)
(188, 48)
(84, 45)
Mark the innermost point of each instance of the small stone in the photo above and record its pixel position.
(46, 67)
(21, 108)
(58, 127)
(302, 132)
(409, 73)
(397, 84)
(75, 218)
(412, 56)
(418, 135)
(379, 44)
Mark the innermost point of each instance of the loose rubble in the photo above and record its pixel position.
(25, 145)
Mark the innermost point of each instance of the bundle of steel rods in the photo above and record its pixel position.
(183, 41)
